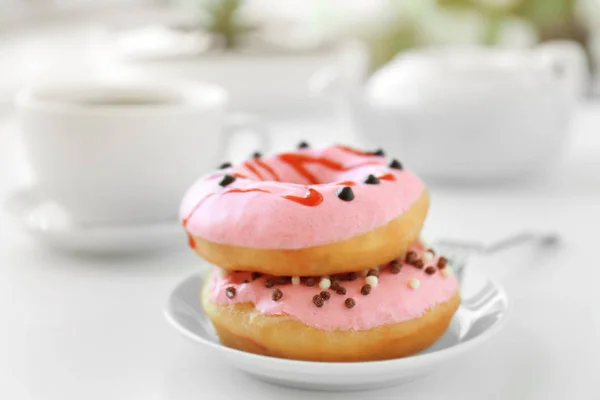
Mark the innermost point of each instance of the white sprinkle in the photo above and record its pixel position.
(295, 280)
(427, 257)
(365, 272)
(446, 272)
(372, 280)
(414, 283)
(325, 283)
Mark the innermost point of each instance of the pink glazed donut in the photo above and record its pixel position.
(311, 212)
(396, 310)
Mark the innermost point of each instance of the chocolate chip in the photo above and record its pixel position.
(418, 264)
(225, 165)
(303, 145)
(341, 290)
(226, 180)
(395, 164)
(365, 290)
(432, 251)
(255, 275)
(256, 154)
(335, 286)
(318, 300)
(442, 262)
(230, 292)
(371, 180)
(325, 295)
(373, 272)
(269, 282)
(378, 152)
(246, 281)
(352, 276)
(411, 257)
(345, 193)
(282, 280)
(430, 270)
(276, 295)
(350, 302)
(311, 282)
(395, 267)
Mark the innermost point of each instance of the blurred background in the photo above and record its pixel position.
(494, 103)
(414, 77)
(282, 40)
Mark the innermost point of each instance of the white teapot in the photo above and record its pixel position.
(470, 113)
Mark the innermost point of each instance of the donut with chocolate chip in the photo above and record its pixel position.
(351, 320)
(305, 212)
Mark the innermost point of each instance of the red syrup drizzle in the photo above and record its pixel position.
(312, 199)
(351, 150)
(387, 177)
(220, 176)
(191, 242)
(267, 167)
(246, 190)
(297, 162)
(346, 183)
(253, 169)
(185, 220)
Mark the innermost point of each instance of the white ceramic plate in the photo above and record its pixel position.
(474, 323)
(51, 225)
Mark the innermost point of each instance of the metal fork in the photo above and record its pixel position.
(485, 303)
(458, 251)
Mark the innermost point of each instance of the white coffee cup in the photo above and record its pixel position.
(123, 153)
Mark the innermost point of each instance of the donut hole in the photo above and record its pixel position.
(274, 170)
(322, 174)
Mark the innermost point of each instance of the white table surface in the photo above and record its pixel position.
(85, 328)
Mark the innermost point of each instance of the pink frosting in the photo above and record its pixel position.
(390, 302)
(268, 220)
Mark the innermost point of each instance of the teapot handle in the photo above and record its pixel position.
(567, 61)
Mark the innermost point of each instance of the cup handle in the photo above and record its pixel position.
(239, 121)
(568, 62)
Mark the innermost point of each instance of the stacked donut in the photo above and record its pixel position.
(317, 256)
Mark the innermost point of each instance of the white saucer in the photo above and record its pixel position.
(467, 330)
(51, 225)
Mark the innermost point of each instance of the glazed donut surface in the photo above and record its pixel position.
(243, 328)
(309, 212)
(408, 305)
